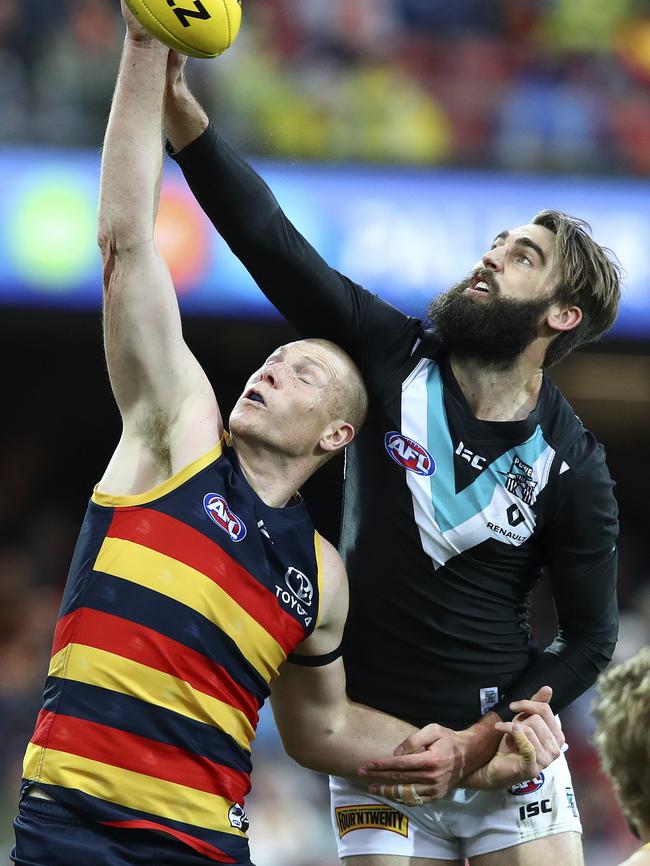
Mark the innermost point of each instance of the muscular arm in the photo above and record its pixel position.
(319, 726)
(168, 409)
(317, 299)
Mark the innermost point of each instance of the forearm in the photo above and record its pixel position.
(570, 667)
(185, 119)
(362, 735)
(349, 738)
(305, 289)
(132, 155)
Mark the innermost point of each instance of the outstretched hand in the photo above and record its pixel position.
(134, 30)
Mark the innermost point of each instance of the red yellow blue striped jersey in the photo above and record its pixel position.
(180, 606)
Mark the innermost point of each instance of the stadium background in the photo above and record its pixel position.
(467, 112)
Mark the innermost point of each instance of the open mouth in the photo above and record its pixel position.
(255, 397)
(478, 284)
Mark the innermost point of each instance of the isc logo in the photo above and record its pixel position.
(530, 810)
(409, 454)
(218, 511)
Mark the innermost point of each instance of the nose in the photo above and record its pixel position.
(493, 259)
(272, 374)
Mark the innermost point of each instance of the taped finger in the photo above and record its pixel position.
(524, 746)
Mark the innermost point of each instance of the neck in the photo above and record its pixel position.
(275, 477)
(497, 394)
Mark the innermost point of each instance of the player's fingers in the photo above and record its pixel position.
(396, 764)
(549, 744)
(544, 718)
(545, 693)
(527, 743)
(391, 777)
(407, 795)
(420, 739)
(524, 746)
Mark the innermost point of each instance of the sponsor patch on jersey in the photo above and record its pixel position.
(409, 453)
(237, 817)
(528, 787)
(300, 585)
(349, 818)
(219, 512)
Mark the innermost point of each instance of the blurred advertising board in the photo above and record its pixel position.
(405, 234)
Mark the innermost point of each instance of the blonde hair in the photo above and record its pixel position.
(349, 395)
(589, 277)
(622, 737)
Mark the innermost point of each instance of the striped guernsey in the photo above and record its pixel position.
(180, 606)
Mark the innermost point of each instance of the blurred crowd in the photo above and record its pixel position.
(558, 85)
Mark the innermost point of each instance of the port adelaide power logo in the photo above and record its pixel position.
(519, 481)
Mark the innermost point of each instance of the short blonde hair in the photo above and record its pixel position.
(622, 737)
(349, 397)
(589, 277)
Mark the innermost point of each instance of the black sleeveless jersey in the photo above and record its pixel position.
(448, 520)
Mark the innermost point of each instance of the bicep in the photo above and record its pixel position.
(150, 366)
(306, 697)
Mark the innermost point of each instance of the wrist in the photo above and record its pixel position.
(480, 742)
(143, 41)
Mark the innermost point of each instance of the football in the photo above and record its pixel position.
(200, 28)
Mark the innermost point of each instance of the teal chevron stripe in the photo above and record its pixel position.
(451, 508)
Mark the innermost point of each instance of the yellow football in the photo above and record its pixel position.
(200, 28)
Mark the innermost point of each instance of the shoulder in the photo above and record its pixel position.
(333, 569)
(578, 448)
(333, 586)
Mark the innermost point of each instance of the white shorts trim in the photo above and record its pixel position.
(464, 824)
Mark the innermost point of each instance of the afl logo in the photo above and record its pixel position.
(409, 454)
(218, 511)
(300, 585)
(528, 787)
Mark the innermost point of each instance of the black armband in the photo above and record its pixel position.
(315, 661)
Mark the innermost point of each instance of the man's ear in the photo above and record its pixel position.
(562, 318)
(337, 436)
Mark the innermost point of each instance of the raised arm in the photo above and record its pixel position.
(325, 731)
(317, 299)
(168, 409)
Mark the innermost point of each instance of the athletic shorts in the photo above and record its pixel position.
(463, 824)
(49, 834)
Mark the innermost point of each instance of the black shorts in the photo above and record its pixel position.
(49, 834)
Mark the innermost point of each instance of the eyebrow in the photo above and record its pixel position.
(306, 358)
(524, 242)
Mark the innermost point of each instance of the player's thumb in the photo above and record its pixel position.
(545, 693)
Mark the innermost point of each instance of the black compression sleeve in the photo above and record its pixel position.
(582, 566)
(314, 297)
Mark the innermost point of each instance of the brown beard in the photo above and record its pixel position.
(496, 330)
